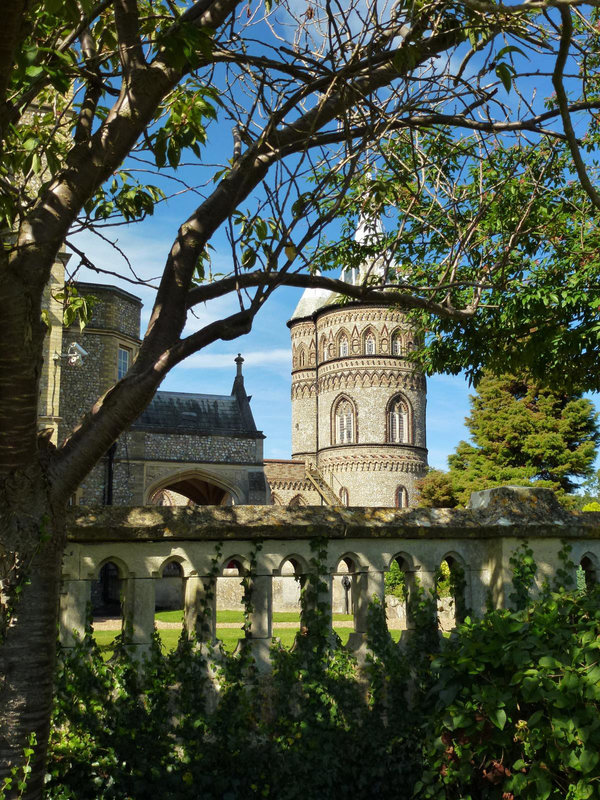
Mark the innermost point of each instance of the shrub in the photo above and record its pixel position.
(508, 707)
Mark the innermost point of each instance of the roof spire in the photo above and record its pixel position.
(370, 228)
(239, 361)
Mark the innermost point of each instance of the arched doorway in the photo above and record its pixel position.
(190, 490)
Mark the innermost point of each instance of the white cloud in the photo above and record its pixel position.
(254, 358)
(205, 313)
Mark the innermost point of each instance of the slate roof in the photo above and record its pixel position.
(205, 414)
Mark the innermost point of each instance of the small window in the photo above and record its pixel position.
(172, 569)
(123, 362)
(397, 349)
(401, 497)
(344, 498)
(398, 422)
(344, 422)
(370, 345)
(343, 347)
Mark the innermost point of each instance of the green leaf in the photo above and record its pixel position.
(588, 760)
(511, 48)
(498, 717)
(248, 259)
(505, 72)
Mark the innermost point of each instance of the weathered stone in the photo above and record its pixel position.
(360, 542)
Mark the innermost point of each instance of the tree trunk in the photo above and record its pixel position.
(32, 536)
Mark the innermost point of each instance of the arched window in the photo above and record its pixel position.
(344, 423)
(343, 346)
(401, 497)
(344, 498)
(302, 358)
(172, 569)
(370, 344)
(397, 349)
(398, 421)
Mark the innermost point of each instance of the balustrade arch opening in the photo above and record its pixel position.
(587, 573)
(169, 587)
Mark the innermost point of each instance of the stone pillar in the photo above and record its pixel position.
(411, 589)
(74, 603)
(261, 620)
(317, 596)
(366, 586)
(138, 613)
(200, 608)
(420, 583)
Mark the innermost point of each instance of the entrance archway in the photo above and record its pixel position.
(190, 490)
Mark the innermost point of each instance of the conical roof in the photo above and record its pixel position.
(369, 229)
(312, 300)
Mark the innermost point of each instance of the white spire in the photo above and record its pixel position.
(369, 229)
(311, 300)
(369, 232)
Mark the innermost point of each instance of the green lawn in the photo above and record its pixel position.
(229, 637)
(238, 616)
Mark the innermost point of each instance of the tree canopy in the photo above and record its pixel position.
(521, 433)
(273, 121)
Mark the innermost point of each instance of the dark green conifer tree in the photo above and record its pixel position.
(525, 434)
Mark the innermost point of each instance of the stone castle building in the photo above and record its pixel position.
(358, 404)
(358, 409)
(185, 447)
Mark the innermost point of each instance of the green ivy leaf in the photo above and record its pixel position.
(498, 717)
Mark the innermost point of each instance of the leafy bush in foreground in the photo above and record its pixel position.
(517, 705)
(508, 707)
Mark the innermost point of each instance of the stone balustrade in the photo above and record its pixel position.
(264, 542)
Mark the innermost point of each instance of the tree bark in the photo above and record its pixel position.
(32, 536)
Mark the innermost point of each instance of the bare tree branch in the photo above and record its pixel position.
(563, 104)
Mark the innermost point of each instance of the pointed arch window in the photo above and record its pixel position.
(397, 348)
(344, 422)
(398, 421)
(344, 347)
(401, 497)
(344, 497)
(302, 357)
(369, 344)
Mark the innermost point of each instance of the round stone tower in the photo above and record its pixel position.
(358, 404)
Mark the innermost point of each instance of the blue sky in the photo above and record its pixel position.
(266, 349)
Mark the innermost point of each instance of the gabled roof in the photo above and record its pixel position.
(203, 414)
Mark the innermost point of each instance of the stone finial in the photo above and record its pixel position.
(239, 361)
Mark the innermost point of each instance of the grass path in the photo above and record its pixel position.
(169, 623)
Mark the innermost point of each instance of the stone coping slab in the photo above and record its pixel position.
(505, 511)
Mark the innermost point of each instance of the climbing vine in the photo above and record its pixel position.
(505, 708)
